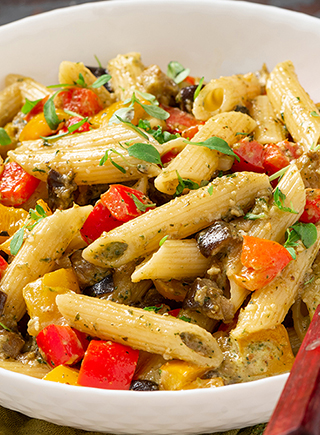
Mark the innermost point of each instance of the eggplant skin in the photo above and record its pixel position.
(144, 385)
(215, 238)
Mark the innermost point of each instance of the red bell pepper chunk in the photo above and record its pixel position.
(274, 159)
(251, 155)
(60, 345)
(80, 100)
(175, 312)
(179, 120)
(16, 185)
(262, 261)
(311, 213)
(98, 221)
(72, 121)
(120, 201)
(38, 108)
(3, 265)
(108, 365)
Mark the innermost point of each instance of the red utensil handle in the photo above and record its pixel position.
(298, 409)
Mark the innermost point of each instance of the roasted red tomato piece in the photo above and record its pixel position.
(98, 221)
(251, 155)
(16, 185)
(125, 203)
(311, 212)
(108, 365)
(274, 159)
(179, 120)
(72, 121)
(262, 261)
(79, 100)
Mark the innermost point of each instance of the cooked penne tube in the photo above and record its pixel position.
(178, 219)
(269, 129)
(46, 243)
(69, 74)
(10, 103)
(293, 105)
(141, 329)
(175, 259)
(274, 226)
(198, 163)
(268, 306)
(32, 90)
(82, 155)
(125, 70)
(224, 94)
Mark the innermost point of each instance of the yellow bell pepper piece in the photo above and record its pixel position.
(63, 375)
(204, 383)
(38, 126)
(40, 298)
(176, 374)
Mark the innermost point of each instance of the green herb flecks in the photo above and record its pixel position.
(153, 308)
(199, 87)
(307, 233)
(29, 105)
(146, 152)
(36, 215)
(163, 240)
(314, 113)
(108, 157)
(159, 135)
(218, 144)
(279, 199)
(177, 72)
(185, 183)
(140, 205)
(4, 137)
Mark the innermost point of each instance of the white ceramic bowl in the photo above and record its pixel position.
(212, 38)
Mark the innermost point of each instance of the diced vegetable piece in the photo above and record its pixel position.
(108, 365)
(80, 100)
(3, 265)
(251, 154)
(125, 203)
(16, 185)
(274, 159)
(311, 212)
(85, 126)
(63, 375)
(37, 127)
(262, 261)
(60, 345)
(40, 298)
(176, 374)
(98, 221)
(179, 120)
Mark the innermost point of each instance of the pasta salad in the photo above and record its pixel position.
(158, 231)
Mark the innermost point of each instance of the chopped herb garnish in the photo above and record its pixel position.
(146, 152)
(185, 183)
(216, 143)
(50, 113)
(36, 215)
(151, 109)
(159, 135)
(4, 137)
(177, 72)
(71, 129)
(153, 308)
(210, 190)
(107, 156)
(252, 216)
(140, 205)
(98, 61)
(314, 113)
(163, 240)
(279, 198)
(5, 327)
(101, 81)
(185, 319)
(199, 87)
(279, 173)
(134, 127)
(29, 105)
(307, 233)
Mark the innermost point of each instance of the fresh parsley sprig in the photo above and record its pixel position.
(177, 72)
(4, 137)
(36, 216)
(306, 232)
(216, 143)
(279, 199)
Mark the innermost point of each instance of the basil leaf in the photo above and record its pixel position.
(146, 152)
(307, 233)
(199, 87)
(50, 113)
(17, 241)
(135, 128)
(314, 113)
(148, 97)
(102, 80)
(177, 72)
(81, 81)
(29, 105)
(4, 137)
(77, 125)
(218, 144)
(185, 183)
(125, 114)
